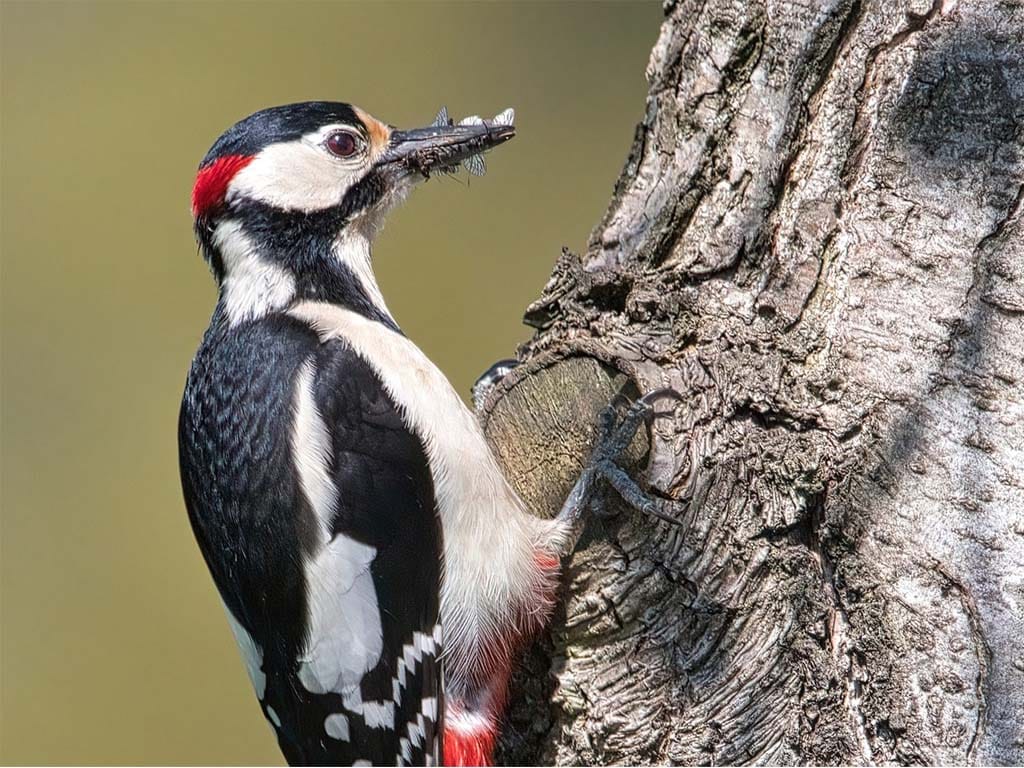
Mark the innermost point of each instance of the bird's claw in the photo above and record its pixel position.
(615, 434)
(614, 438)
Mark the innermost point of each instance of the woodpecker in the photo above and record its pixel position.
(358, 528)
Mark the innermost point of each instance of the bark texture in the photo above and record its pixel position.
(817, 240)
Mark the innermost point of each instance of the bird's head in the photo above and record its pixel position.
(287, 201)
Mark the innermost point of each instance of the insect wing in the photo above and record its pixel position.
(442, 119)
(475, 165)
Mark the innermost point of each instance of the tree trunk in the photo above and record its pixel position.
(817, 240)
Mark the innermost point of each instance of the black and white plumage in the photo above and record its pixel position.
(308, 485)
(336, 561)
(357, 525)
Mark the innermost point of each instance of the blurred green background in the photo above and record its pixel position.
(114, 646)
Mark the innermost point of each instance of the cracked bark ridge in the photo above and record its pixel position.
(817, 239)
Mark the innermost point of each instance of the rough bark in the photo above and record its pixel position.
(817, 240)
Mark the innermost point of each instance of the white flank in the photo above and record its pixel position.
(252, 287)
(251, 654)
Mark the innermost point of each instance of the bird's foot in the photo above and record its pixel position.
(615, 433)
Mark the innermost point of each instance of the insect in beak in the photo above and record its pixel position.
(444, 145)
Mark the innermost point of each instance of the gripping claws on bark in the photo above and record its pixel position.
(615, 437)
(664, 509)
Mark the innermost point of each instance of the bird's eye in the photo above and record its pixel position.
(342, 144)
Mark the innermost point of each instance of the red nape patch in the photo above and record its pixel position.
(464, 746)
(212, 182)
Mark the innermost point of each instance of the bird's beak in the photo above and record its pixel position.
(442, 146)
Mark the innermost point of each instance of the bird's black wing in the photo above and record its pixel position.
(386, 499)
(319, 524)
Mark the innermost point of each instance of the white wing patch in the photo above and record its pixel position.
(379, 714)
(345, 636)
(252, 654)
(336, 726)
(311, 445)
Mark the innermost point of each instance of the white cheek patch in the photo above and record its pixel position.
(298, 175)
